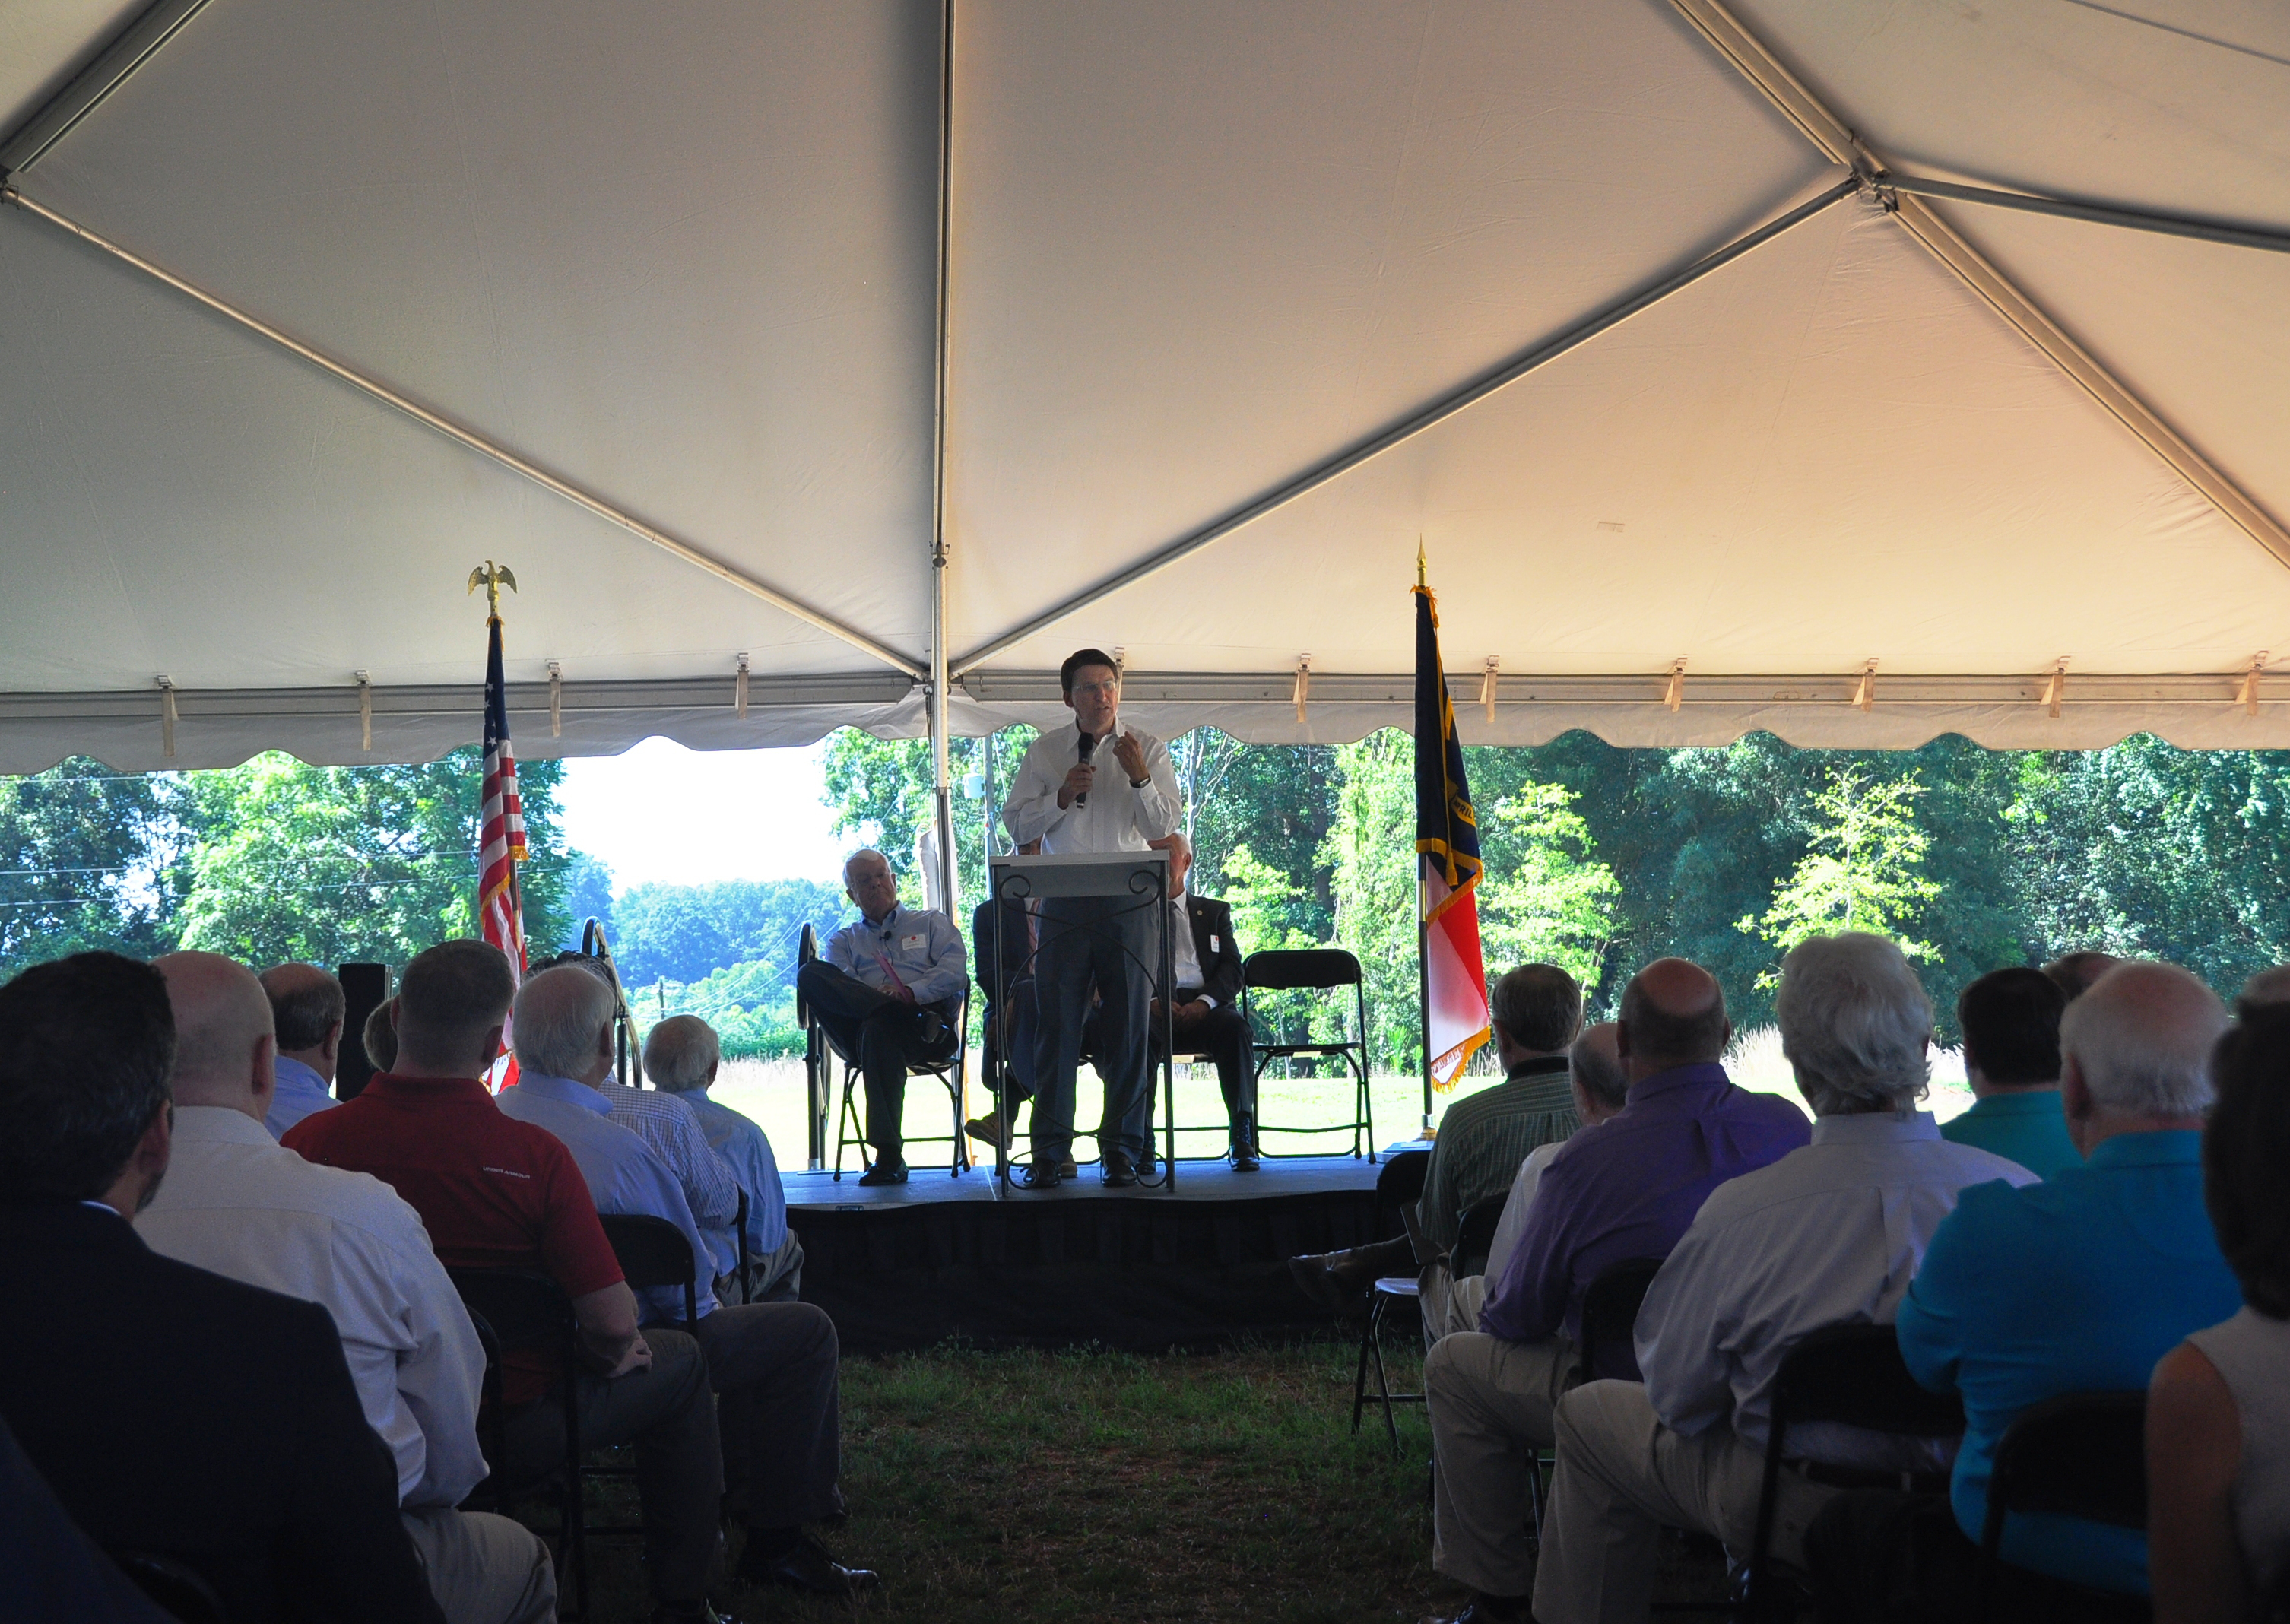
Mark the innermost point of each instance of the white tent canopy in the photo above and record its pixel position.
(1217, 292)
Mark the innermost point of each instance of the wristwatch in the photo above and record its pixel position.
(1140, 783)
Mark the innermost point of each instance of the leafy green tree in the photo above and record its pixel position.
(82, 863)
(685, 933)
(1371, 852)
(880, 792)
(1545, 898)
(1275, 803)
(1864, 870)
(284, 860)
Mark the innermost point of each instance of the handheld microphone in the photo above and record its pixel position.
(1088, 743)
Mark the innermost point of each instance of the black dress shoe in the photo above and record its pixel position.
(885, 1172)
(1243, 1158)
(1040, 1176)
(804, 1566)
(1483, 1610)
(1119, 1170)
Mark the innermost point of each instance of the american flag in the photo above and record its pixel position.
(500, 842)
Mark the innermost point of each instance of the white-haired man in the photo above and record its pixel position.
(681, 1056)
(773, 1365)
(237, 1202)
(888, 992)
(1830, 1233)
(2080, 1284)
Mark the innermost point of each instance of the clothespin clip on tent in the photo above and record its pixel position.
(556, 701)
(2054, 683)
(1488, 680)
(166, 714)
(365, 711)
(1675, 695)
(740, 687)
(1303, 685)
(2250, 683)
(1864, 692)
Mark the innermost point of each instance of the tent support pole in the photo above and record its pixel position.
(941, 782)
(1438, 412)
(2097, 214)
(474, 441)
(132, 46)
(1801, 107)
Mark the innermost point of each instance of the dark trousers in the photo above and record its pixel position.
(884, 1035)
(1223, 1035)
(779, 1408)
(1105, 944)
(1883, 1556)
(1010, 1040)
(669, 1413)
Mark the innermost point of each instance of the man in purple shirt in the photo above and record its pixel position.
(1627, 1187)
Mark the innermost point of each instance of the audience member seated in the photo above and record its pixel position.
(2271, 986)
(1599, 1085)
(2218, 1409)
(307, 1007)
(495, 1193)
(670, 1126)
(1627, 1187)
(2076, 973)
(237, 1202)
(681, 1055)
(1009, 1032)
(888, 993)
(1204, 1015)
(1536, 1010)
(378, 1036)
(1830, 1234)
(172, 1412)
(773, 1365)
(2010, 1020)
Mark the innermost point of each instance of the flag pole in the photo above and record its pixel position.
(1423, 929)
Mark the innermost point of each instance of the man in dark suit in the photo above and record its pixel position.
(1204, 1011)
(172, 1412)
(1004, 942)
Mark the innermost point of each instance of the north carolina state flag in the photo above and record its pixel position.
(1447, 846)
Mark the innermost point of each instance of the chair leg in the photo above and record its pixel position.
(1359, 1376)
(848, 1120)
(1382, 1378)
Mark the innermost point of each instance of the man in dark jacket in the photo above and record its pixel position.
(1204, 1011)
(1005, 940)
(173, 1412)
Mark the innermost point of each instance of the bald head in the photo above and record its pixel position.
(2135, 1053)
(224, 1046)
(564, 1025)
(307, 1009)
(1673, 1014)
(1180, 858)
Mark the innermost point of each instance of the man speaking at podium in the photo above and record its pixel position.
(1094, 786)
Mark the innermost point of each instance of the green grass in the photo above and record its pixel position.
(1084, 1483)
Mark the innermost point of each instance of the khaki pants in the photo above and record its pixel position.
(1450, 1306)
(1623, 1477)
(1491, 1404)
(483, 1569)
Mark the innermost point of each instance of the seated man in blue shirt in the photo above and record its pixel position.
(2010, 1020)
(2079, 1283)
(888, 992)
(681, 1055)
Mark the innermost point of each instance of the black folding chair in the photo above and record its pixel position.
(1477, 1237)
(1848, 1376)
(952, 1071)
(172, 1586)
(521, 1310)
(2079, 1455)
(1608, 1350)
(1398, 1185)
(1313, 970)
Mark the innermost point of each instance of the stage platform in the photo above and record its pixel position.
(911, 1265)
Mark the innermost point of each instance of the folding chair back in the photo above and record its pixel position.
(1400, 1182)
(1608, 1351)
(1313, 970)
(653, 1254)
(1477, 1237)
(2080, 1455)
(1848, 1375)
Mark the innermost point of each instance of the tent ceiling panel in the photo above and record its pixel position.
(178, 501)
(1829, 451)
(1200, 247)
(688, 267)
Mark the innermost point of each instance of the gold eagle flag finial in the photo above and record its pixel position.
(492, 577)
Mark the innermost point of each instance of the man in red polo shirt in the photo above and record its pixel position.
(498, 1194)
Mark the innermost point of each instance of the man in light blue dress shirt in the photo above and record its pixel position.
(681, 1055)
(889, 993)
(773, 1364)
(307, 1007)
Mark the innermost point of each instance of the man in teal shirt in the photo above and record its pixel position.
(2010, 1020)
(2084, 1282)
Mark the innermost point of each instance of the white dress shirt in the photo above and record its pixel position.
(1184, 957)
(665, 1122)
(301, 1092)
(1513, 1222)
(916, 948)
(1830, 1233)
(236, 1202)
(747, 1149)
(624, 1174)
(1117, 818)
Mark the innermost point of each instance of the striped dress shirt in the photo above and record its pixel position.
(1484, 1138)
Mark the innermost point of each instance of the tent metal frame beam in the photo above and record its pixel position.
(2097, 214)
(474, 441)
(1428, 417)
(134, 46)
(941, 782)
(1765, 71)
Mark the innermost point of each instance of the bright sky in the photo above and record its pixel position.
(661, 812)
